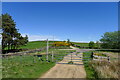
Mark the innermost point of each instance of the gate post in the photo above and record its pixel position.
(108, 59)
(92, 55)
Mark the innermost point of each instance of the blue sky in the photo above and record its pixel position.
(60, 0)
(81, 21)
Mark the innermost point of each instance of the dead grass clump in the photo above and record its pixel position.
(105, 69)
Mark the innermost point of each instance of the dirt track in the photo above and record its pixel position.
(64, 70)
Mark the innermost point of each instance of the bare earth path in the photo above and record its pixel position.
(63, 70)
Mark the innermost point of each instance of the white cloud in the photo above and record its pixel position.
(37, 37)
(81, 41)
(0, 39)
(40, 37)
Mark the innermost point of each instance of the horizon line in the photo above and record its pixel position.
(59, 0)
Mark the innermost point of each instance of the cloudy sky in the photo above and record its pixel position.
(60, 0)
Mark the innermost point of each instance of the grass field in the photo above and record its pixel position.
(29, 66)
(36, 45)
(84, 44)
(89, 70)
(81, 44)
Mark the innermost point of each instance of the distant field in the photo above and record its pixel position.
(101, 68)
(82, 44)
(30, 66)
(36, 45)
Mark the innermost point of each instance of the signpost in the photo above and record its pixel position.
(52, 51)
(71, 56)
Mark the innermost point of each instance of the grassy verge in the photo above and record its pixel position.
(35, 45)
(40, 44)
(104, 69)
(29, 66)
(24, 67)
(63, 47)
(81, 44)
(88, 68)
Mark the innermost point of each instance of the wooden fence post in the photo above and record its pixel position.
(92, 55)
(101, 58)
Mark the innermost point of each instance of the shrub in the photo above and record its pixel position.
(91, 44)
(58, 44)
(100, 54)
(70, 62)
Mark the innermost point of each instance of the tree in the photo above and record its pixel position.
(26, 39)
(110, 40)
(91, 44)
(64, 41)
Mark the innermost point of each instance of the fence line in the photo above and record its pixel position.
(25, 52)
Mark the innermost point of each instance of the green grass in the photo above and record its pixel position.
(89, 70)
(70, 62)
(29, 66)
(24, 67)
(82, 44)
(100, 54)
(38, 45)
(0, 68)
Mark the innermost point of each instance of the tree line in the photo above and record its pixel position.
(11, 38)
(110, 40)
